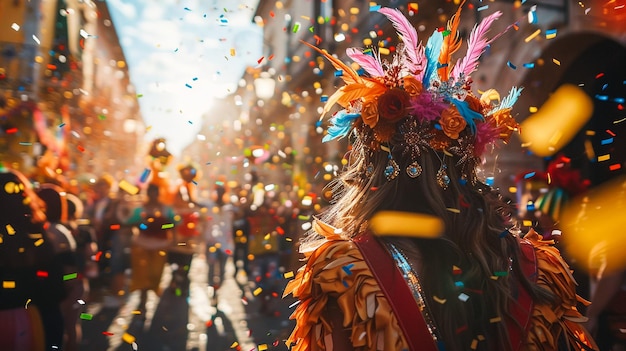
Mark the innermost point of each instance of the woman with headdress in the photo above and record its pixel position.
(416, 253)
(32, 280)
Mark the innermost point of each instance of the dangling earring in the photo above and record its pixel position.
(414, 169)
(392, 169)
(442, 175)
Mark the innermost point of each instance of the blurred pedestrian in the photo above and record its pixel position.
(86, 249)
(190, 221)
(102, 213)
(149, 248)
(64, 244)
(32, 280)
(241, 236)
(219, 238)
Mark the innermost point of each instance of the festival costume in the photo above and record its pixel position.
(337, 270)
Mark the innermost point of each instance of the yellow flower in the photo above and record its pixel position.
(452, 122)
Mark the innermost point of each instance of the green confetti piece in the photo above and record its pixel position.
(167, 226)
(296, 27)
(70, 276)
(86, 316)
(102, 117)
(139, 95)
(501, 274)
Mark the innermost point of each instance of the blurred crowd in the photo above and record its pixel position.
(66, 246)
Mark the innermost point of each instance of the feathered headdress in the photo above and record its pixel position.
(420, 97)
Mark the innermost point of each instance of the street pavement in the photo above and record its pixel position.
(234, 319)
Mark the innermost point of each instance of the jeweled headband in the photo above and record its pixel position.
(419, 100)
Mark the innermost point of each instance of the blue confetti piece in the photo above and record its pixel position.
(142, 226)
(459, 284)
(607, 141)
(188, 86)
(324, 98)
(318, 123)
(347, 268)
(462, 181)
(511, 65)
(619, 100)
(374, 8)
(187, 9)
(529, 65)
(360, 71)
(144, 175)
(195, 78)
(529, 175)
(482, 8)
(530, 207)
(602, 97)
(61, 125)
(338, 73)
(490, 181)
(438, 126)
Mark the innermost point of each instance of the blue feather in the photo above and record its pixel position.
(510, 99)
(432, 51)
(341, 122)
(468, 114)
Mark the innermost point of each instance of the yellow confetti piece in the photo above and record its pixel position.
(474, 344)
(128, 187)
(262, 347)
(8, 284)
(129, 339)
(532, 109)
(495, 320)
(257, 291)
(288, 275)
(27, 302)
(233, 52)
(480, 337)
(453, 210)
(235, 344)
(38, 242)
(556, 62)
(384, 51)
(604, 158)
(10, 229)
(527, 223)
(532, 36)
(439, 300)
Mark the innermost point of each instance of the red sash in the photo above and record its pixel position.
(392, 283)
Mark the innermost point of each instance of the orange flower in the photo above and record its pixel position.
(392, 104)
(506, 124)
(452, 122)
(369, 113)
(412, 86)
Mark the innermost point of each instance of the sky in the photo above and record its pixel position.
(182, 55)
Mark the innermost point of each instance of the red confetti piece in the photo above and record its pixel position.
(317, 38)
(107, 333)
(280, 230)
(271, 57)
(98, 256)
(80, 148)
(462, 202)
(615, 167)
(209, 323)
(599, 75)
(461, 329)
(11, 131)
(271, 13)
(42, 274)
(260, 60)
(610, 132)
(115, 227)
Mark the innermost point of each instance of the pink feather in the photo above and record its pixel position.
(369, 63)
(409, 36)
(476, 45)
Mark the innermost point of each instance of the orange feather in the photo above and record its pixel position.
(451, 43)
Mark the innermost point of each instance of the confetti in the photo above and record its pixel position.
(296, 27)
(511, 65)
(288, 275)
(42, 274)
(482, 8)
(15, 27)
(86, 316)
(129, 339)
(463, 297)
(556, 62)
(257, 291)
(439, 300)
(347, 268)
(604, 158)
(10, 229)
(533, 36)
(495, 320)
(262, 347)
(550, 33)
(70, 276)
(167, 226)
(8, 284)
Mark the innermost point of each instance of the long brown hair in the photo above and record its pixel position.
(476, 239)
